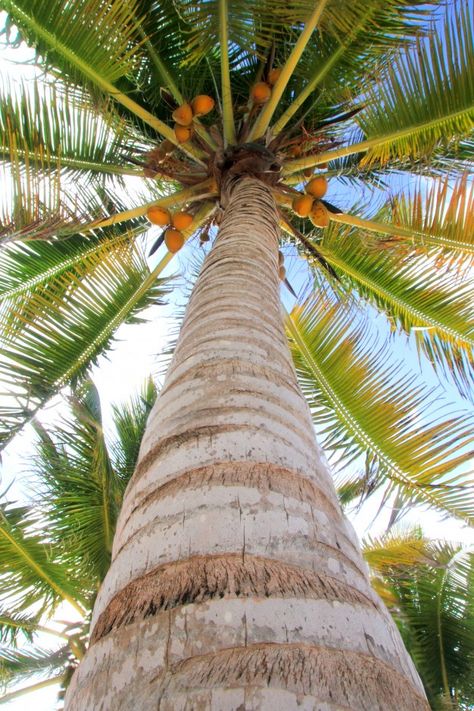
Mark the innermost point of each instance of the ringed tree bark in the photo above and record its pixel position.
(236, 582)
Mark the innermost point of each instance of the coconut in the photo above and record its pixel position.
(317, 187)
(182, 133)
(183, 115)
(174, 240)
(158, 215)
(281, 258)
(281, 272)
(274, 75)
(319, 215)
(261, 92)
(302, 205)
(202, 104)
(181, 220)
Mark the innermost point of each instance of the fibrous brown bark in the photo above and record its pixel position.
(236, 582)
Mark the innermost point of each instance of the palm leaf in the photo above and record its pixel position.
(62, 34)
(432, 301)
(425, 97)
(54, 332)
(29, 573)
(80, 491)
(61, 130)
(367, 404)
(441, 217)
(431, 601)
(130, 422)
(17, 665)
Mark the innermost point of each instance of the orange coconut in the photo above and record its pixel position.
(183, 115)
(181, 220)
(302, 205)
(182, 133)
(281, 272)
(281, 258)
(261, 92)
(317, 187)
(174, 240)
(202, 104)
(158, 215)
(274, 75)
(319, 215)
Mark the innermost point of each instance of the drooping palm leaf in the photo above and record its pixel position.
(63, 127)
(53, 332)
(28, 572)
(366, 403)
(130, 422)
(431, 600)
(432, 301)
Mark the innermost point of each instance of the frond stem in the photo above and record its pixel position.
(263, 121)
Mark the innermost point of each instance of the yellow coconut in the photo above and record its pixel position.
(302, 205)
(317, 187)
(174, 240)
(181, 220)
(261, 92)
(183, 115)
(182, 133)
(319, 215)
(202, 104)
(158, 215)
(274, 75)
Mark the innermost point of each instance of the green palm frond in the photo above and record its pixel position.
(432, 301)
(366, 403)
(112, 53)
(52, 333)
(61, 34)
(80, 491)
(130, 422)
(17, 665)
(440, 217)
(59, 129)
(30, 573)
(431, 600)
(425, 96)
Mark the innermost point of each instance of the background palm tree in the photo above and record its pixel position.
(352, 89)
(56, 549)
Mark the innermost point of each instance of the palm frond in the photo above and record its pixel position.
(429, 300)
(80, 493)
(431, 601)
(52, 333)
(60, 129)
(30, 571)
(440, 217)
(16, 665)
(426, 96)
(368, 404)
(130, 421)
(61, 34)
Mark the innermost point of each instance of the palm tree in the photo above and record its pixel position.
(56, 549)
(427, 586)
(236, 581)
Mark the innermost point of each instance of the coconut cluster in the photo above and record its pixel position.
(183, 116)
(310, 205)
(174, 238)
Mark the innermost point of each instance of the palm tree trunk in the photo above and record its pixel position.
(236, 582)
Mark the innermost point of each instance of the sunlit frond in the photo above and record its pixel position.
(52, 333)
(432, 301)
(366, 403)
